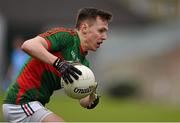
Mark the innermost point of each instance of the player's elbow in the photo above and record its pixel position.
(28, 46)
(25, 46)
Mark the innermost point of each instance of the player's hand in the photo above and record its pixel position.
(67, 69)
(94, 99)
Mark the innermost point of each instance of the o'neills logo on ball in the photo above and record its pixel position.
(82, 90)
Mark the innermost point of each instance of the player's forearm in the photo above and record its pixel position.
(37, 48)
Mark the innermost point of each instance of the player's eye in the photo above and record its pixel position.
(101, 30)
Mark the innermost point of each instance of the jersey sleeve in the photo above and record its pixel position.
(58, 40)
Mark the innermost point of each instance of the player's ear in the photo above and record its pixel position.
(84, 28)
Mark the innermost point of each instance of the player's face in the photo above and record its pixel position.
(97, 33)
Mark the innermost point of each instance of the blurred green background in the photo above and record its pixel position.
(112, 110)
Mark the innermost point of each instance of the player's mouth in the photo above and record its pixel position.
(98, 44)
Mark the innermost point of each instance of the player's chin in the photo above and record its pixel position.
(95, 48)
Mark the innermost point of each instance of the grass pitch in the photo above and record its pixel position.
(111, 110)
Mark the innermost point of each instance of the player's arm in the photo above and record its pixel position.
(37, 48)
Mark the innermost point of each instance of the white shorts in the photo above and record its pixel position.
(29, 112)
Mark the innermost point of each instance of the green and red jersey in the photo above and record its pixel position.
(38, 80)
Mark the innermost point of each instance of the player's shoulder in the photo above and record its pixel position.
(63, 30)
(56, 30)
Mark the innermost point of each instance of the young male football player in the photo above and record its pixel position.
(50, 52)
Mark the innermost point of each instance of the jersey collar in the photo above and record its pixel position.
(82, 51)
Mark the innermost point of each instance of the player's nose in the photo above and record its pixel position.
(104, 36)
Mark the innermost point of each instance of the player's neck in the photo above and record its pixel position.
(82, 41)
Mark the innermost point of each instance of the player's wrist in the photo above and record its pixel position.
(57, 63)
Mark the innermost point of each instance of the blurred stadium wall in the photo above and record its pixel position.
(2, 44)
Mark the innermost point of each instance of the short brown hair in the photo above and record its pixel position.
(91, 13)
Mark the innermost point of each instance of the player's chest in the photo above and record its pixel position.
(72, 54)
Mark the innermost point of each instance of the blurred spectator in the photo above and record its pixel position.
(18, 57)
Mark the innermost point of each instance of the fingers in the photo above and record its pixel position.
(67, 78)
(93, 104)
(93, 97)
(76, 70)
(73, 74)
